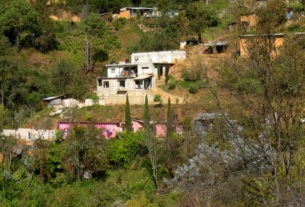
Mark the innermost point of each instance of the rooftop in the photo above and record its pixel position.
(275, 34)
(121, 65)
(216, 43)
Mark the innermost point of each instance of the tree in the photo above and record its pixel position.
(5, 120)
(45, 36)
(19, 22)
(86, 151)
(125, 148)
(94, 29)
(67, 79)
(169, 119)
(128, 122)
(12, 83)
(270, 17)
(7, 145)
(200, 17)
(151, 143)
(47, 158)
(268, 90)
(146, 115)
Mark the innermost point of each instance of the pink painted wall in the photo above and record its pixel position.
(110, 130)
(161, 130)
(136, 126)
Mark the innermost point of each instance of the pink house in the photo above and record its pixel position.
(110, 129)
(161, 129)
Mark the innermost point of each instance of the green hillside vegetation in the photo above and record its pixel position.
(251, 152)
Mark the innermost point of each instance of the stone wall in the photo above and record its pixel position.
(30, 134)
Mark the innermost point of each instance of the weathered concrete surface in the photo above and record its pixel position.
(30, 134)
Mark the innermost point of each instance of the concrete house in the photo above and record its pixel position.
(145, 71)
(128, 12)
(248, 41)
(52, 101)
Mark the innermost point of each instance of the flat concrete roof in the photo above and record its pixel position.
(121, 65)
(216, 43)
(115, 78)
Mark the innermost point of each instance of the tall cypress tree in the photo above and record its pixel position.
(146, 116)
(127, 116)
(169, 118)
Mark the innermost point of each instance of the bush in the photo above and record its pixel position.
(191, 75)
(94, 97)
(119, 23)
(171, 86)
(157, 98)
(193, 90)
(125, 148)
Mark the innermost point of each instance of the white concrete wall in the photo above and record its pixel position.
(114, 85)
(151, 69)
(158, 57)
(31, 134)
(116, 73)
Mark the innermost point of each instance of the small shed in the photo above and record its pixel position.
(216, 47)
(52, 101)
(203, 122)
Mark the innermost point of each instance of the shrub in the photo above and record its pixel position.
(119, 23)
(94, 97)
(193, 90)
(191, 75)
(157, 98)
(171, 86)
(125, 148)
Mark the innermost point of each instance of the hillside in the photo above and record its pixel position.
(208, 111)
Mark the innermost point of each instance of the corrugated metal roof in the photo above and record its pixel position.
(275, 34)
(52, 98)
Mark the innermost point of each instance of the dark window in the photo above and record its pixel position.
(100, 82)
(106, 84)
(122, 84)
(143, 68)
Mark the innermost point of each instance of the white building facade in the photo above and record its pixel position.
(137, 77)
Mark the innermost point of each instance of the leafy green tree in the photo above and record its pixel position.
(85, 150)
(5, 120)
(47, 159)
(270, 17)
(200, 17)
(125, 148)
(67, 79)
(128, 122)
(45, 36)
(12, 83)
(95, 29)
(5, 45)
(7, 145)
(19, 22)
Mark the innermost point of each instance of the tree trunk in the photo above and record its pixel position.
(199, 38)
(17, 41)
(2, 95)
